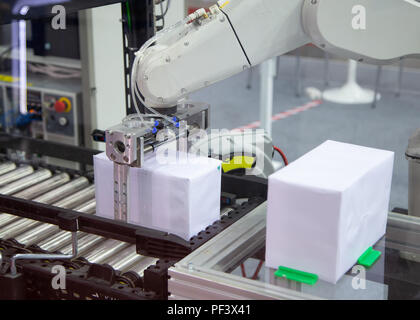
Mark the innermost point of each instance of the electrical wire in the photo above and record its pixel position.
(135, 91)
(164, 12)
(243, 270)
(138, 95)
(168, 2)
(54, 71)
(133, 86)
(127, 6)
(256, 273)
(286, 162)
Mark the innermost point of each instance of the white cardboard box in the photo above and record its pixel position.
(178, 198)
(326, 208)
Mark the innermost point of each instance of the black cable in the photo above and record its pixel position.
(237, 38)
(162, 15)
(163, 12)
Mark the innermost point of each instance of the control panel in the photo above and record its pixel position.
(59, 114)
(54, 110)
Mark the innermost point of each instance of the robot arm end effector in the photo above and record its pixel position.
(233, 35)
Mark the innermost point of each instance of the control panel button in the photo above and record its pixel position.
(63, 121)
(60, 106)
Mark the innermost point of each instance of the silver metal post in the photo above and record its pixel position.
(298, 74)
(249, 79)
(268, 71)
(326, 69)
(400, 78)
(377, 83)
(277, 68)
(13, 259)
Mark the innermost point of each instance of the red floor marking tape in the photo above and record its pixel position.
(283, 115)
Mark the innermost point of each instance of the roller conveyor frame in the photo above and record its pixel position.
(149, 242)
(169, 248)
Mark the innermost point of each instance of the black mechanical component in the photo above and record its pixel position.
(400, 210)
(15, 285)
(47, 148)
(132, 278)
(156, 278)
(83, 280)
(227, 199)
(98, 135)
(138, 20)
(68, 222)
(245, 186)
(85, 283)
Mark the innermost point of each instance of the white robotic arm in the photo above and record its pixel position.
(237, 34)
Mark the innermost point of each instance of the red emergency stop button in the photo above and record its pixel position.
(62, 105)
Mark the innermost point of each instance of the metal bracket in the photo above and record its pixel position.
(30, 256)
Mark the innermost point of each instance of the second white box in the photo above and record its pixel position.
(326, 208)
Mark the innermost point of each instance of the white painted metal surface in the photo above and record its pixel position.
(103, 63)
(351, 92)
(268, 72)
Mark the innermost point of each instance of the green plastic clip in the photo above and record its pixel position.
(369, 257)
(296, 275)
